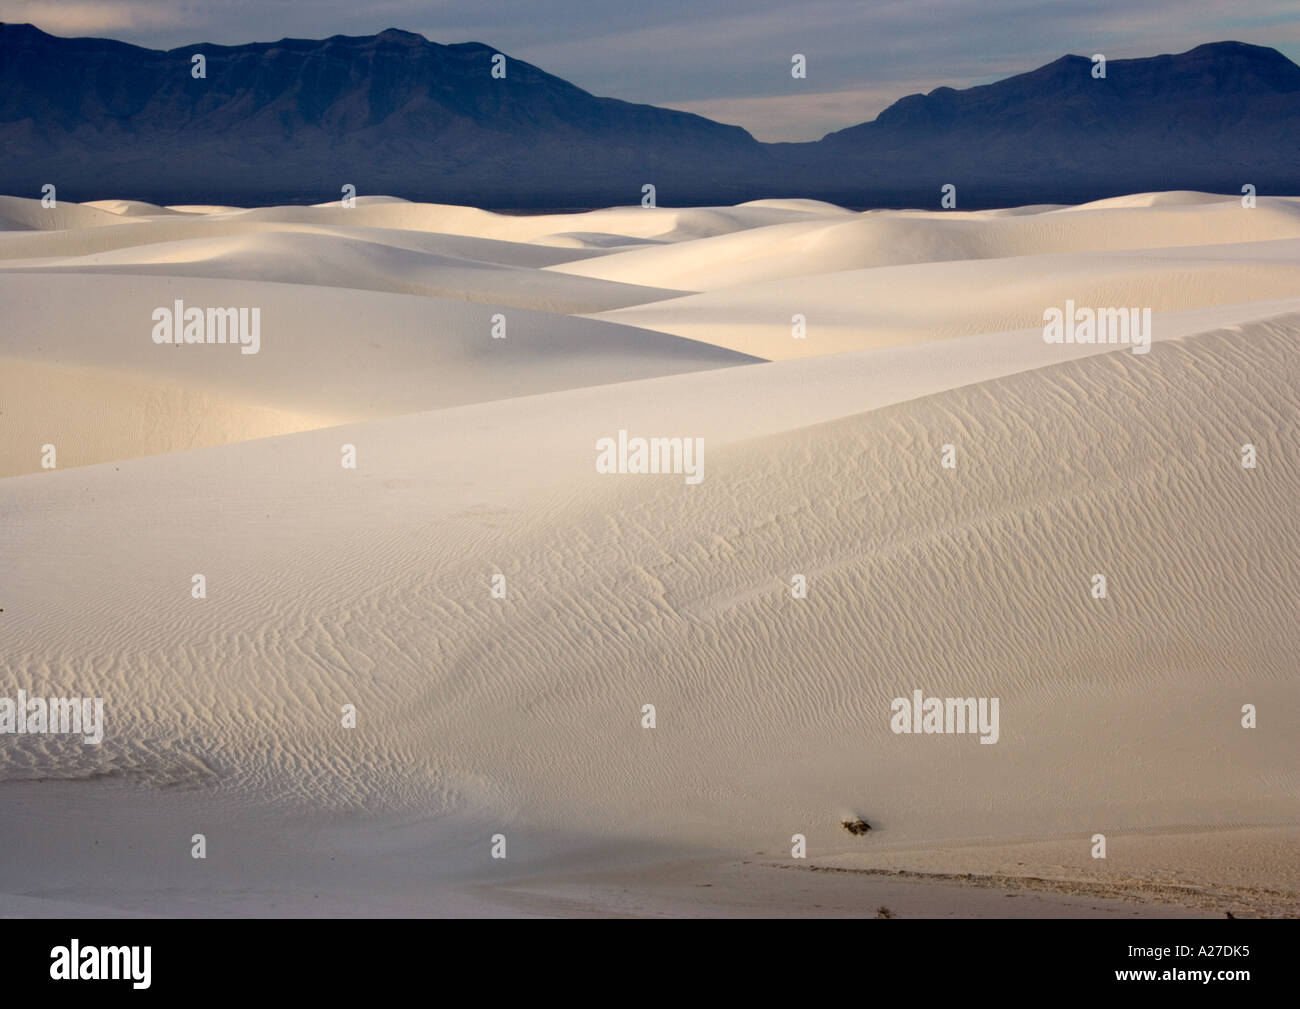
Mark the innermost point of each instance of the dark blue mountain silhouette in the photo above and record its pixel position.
(293, 121)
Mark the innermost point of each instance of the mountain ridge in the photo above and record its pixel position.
(295, 120)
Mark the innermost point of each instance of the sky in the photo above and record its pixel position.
(725, 59)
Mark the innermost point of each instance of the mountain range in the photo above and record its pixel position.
(293, 121)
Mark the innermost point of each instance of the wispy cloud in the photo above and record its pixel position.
(90, 17)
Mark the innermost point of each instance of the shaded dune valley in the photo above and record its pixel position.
(386, 619)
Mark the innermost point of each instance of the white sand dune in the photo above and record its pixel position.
(891, 238)
(327, 355)
(629, 224)
(19, 245)
(130, 208)
(324, 260)
(20, 214)
(888, 305)
(522, 715)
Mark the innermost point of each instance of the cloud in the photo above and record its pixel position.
(90, 17)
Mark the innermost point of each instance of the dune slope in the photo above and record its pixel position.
(520, 711)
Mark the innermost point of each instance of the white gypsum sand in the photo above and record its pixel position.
(522, 715)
